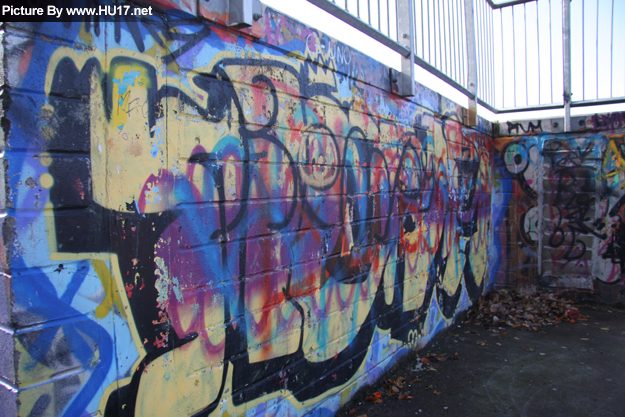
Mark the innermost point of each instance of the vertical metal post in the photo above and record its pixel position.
(550, 54)
(423, 34)
(469, 14)
(597, 55)
(503, 61)
(388, 18)
(612, 50)
(538, 45)
(566, 61)
(514, 86)
(583, 50)
(527, 86)
(454, 39)
(405, 24)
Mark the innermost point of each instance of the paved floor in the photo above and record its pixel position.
(563, 370)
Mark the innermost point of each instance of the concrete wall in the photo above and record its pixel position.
(558, 206)
(204, 220)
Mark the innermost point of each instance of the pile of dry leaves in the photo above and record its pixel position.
(394, 386)
(529, 312)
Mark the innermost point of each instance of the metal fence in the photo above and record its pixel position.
(511, 56)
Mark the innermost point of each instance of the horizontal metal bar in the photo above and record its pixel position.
(362, 26)
(597, 102)
(511, 3)
(487, 106)
(585, 103)
(530, 108)
(434, 71)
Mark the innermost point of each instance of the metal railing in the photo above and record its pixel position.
(508, 57)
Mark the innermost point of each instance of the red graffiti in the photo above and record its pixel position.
(77, 184)
(160, 343)
(129, 288)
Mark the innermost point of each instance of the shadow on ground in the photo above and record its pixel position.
(563, 369)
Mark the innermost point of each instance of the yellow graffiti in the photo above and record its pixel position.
(189, 377)
(112, 292)
(613, 159)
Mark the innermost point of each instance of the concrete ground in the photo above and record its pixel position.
(563, 370)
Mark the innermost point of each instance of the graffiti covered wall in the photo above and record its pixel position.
(558, 215)
(205, 221)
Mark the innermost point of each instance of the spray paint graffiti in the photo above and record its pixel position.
(230, 228)
(607, 121)
(565, 195)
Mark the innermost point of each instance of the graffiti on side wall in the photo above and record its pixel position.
(578, 223)
(607, 121)
(228, 228)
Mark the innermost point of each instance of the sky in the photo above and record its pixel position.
(515, 79)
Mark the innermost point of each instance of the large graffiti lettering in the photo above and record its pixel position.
(230, 227)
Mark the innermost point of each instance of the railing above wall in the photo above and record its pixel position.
(378, 19)
(518, 49)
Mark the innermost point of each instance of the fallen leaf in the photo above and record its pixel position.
(352, 412)
(375, 397)
(530, 349)
(395, 389)
(605, 328)
(426, 361)
(404, 396)
(585, 338)
(542, 354)
(572, 313)
(498, 344)
(436, 393)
